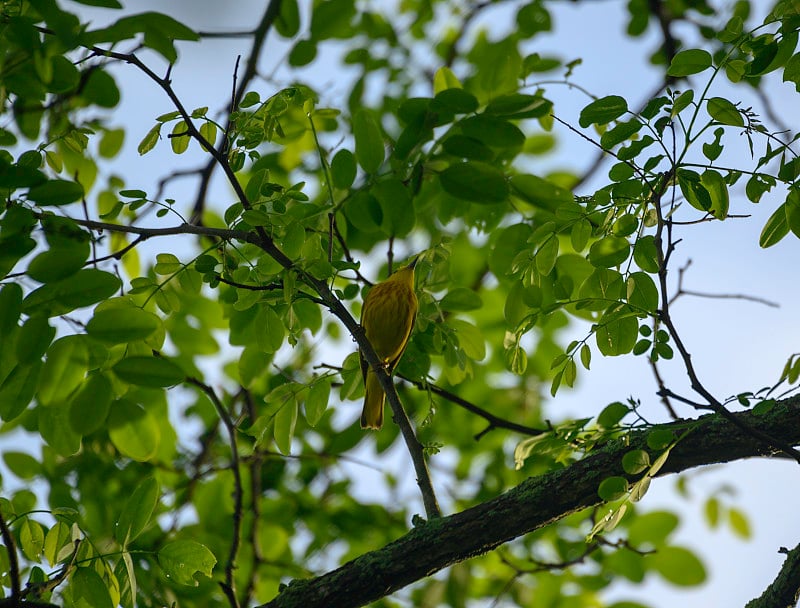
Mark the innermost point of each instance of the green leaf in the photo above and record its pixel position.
(89, 407)
(111, 143)
(612, 414)
(652, 528)
(776, 228)
(331, 19)
(58, 263)
(208, 131)
(546, 256)
(343, 169)
(84, 288)
(102, 3)
(693, 189)
(645, 254)
(150, 140)
(621, 132)
(475, 181)
(642, 291)
(89, 589)
(456, 101)
(269, 329)
(516, 106)
(659, 439)
(470, 339)
(612, 488)
(492, 131)
(182, 559)
(444, 79)
(686, 63)
(17, 390)
(603, 110)
(586, 356)
(285, 421)
(149, 371)
(10, 308)
(64, 369)
(791, 73)
(22, 465)
(57, 537)
(179, 138)
(317, 400)
(31, 539)
(717, 190)
(122, 324)
(616, 335)
(369, 141)
(723, 111)
(460, 299)
(682, 102)
(635, 461)
(677, 565)
(396, 206)
(100, 89)
(540, 192)
(609, 251)
(739, 523)
(133, 430)
(287, 24)
(579, 234)
(56, 192)
(34, 337)
(137, 512)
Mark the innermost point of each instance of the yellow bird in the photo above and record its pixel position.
(387, 317)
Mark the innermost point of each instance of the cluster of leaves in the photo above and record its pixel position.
(87, 358)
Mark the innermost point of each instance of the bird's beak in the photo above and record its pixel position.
(414, 262)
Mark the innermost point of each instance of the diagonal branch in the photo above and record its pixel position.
(533, 504)
(784, 591)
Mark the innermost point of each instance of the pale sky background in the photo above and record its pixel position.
(736, 345)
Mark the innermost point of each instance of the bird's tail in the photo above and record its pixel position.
(372, 414)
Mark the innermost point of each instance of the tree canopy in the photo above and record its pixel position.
(179, 370)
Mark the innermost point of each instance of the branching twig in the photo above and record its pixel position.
(664, 249)
(267, 244)
(721, 296)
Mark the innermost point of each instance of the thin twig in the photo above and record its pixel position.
(494, 421)
(229, 587)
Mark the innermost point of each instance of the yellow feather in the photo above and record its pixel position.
(387, 317)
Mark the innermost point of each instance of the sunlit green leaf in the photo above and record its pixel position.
(686, 63)
(181, 560)
(133, 430)
(137, 512)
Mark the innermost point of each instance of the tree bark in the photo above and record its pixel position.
(785, 589)
(533, 504)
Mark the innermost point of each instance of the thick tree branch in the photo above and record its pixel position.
(533, 504)
(785, 589)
